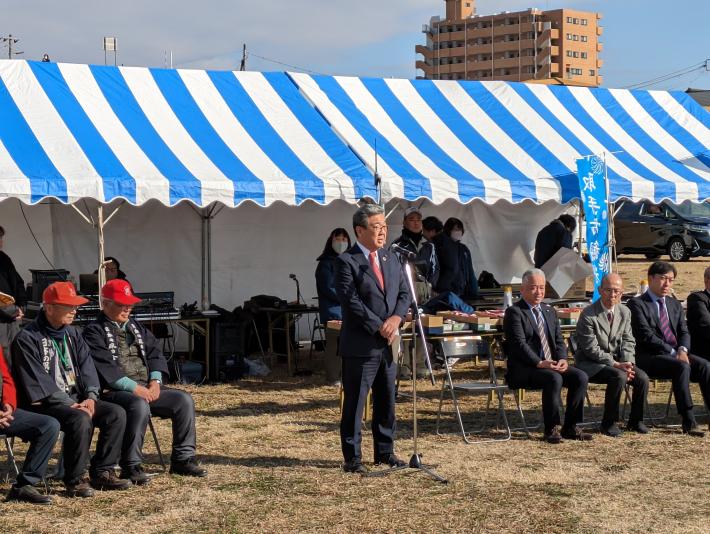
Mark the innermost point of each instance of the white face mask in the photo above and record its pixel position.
(339, 246)
(456, 235)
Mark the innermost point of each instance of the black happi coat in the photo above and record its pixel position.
(34, 357)
(100, 335)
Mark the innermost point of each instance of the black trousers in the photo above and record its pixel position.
(551, 383)
(78, 428)
(669, 367)
(615, 380)
(172, 404)
(41, 431)
(359, 376)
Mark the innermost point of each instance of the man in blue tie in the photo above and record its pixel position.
(537, 359)
(662, 342)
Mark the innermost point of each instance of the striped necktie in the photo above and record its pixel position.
(665, 325)
(546, 352)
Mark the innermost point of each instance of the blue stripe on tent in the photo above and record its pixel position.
(416, 185)
(662, 188)
(669, 123)
(117, 182)
(247, 186)
(623, 119)
(522, 187)
(183, 185)
(318, 128)
(517, 131)
(468, 185)
(619, 186)
(307, 185)
(26, 151)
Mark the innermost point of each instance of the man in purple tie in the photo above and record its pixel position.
(662, 342)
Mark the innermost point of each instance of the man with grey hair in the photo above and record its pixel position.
(374, 298)
(698, 314)
(606, 352)
(537, 359)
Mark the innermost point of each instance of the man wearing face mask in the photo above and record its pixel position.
(456, 265)
(412, 239)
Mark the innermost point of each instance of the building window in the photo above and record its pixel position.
(584, 22)
(575, 21)
(584, 38)
(569, 53)
(569, 19)
(575, 54)
(592, 72)
(584, 55)
(575, 37)
(569, 36)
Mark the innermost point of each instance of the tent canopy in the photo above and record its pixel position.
(80, 131)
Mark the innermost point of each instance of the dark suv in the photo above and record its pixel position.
(680, 230)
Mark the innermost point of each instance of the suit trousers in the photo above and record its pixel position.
(41, 431)
(551, 383)
(172, 404)
(78, 428)
(615, 380)
(359, 375)
(669, 367)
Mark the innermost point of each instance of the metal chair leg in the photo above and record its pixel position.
(9, 443)
(157, 443)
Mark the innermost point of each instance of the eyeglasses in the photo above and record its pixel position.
(122, 306)
(612, 290)
(378, 227)
(666, 278)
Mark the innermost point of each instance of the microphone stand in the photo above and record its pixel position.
(415, 462)
(296, 318)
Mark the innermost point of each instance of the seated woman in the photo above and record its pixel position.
(456, 272)
(328, 303)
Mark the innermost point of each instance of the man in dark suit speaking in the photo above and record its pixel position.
(662, 343)
(537, 359)
(374, 299)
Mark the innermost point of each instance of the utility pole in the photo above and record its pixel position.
(243, 64)
(10, 40)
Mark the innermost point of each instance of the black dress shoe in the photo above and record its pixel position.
(612, 430)
(553, 435)
(135, 474)
(189, 468)
(108, 481)
(80, 488)
(575, 433)
(693, 430)
(391, 460)
(28, 494)
(638, 427)
(354, 466)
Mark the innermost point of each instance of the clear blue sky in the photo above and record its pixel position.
(642, 39)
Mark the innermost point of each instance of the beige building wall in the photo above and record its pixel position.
(556, 46)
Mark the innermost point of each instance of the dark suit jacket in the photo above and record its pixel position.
(364, 305)
(549, 240)
(522, 339)
(699, 323)
(644, 323)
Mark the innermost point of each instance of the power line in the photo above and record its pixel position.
(286, 64)
(675, 74)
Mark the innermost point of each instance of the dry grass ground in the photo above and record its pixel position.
(273, 452)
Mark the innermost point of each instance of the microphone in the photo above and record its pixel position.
(407, 254)
(292, 276)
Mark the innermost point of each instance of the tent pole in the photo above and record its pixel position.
(100, 241)
(580, 217)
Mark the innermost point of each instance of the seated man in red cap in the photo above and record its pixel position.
(131, 366)
(56, 376)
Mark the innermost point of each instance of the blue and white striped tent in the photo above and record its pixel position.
(78, 131)
(516, 141)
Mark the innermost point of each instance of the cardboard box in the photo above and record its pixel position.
(334, 325)
(578, 290)
(432, 321)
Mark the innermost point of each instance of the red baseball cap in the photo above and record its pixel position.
(119, 291)
(63, 293)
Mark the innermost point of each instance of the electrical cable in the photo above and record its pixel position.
(286, 64)
(669, 76)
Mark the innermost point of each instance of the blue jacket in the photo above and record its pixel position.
(328, 303)
(365, 306)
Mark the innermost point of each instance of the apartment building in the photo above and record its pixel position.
(555, 46)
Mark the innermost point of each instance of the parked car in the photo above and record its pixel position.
(680, 230)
